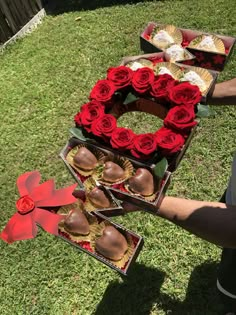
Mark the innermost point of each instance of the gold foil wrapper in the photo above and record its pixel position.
(66, 209)
(205, 75)
(70, 159)
(219, 44)
(144, 62)
(89, 185)
(123, 163)
(94, 229)
(149, 198)
(172, 68)
(173, 31)
(118, 263)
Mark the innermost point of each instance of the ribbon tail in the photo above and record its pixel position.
(60, 197)
(47, 220)
(19, 227)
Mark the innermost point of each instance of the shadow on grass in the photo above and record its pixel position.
(135, 295)
(57, 7)
(201, 295)
(141, 289)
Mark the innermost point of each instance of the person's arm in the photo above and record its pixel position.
(224, 93)
(212, 221)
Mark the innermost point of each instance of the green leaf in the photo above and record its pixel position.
(205, 111)
(130, 98)
(160, 168)
(77, 132)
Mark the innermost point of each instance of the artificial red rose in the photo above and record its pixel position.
(160, 87)
(168, 141)
(207, 65)
(120, 76)
(25, 204)
(189, 62)
(147, 37)
(199, 56)
(103, 91)
(143, 79)
(185, 42)
(218, 59)
(180, 118)
(184, 94)
(104, 126)
(90, 112)
(144, 145)
(122, 138)
(156, 60)
(77, 119)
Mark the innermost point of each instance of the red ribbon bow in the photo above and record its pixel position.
(35, 196)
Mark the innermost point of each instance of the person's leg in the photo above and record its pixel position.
(226, 282)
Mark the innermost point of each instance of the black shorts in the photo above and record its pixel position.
(226, 282)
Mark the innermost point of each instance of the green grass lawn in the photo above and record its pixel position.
(44, 78)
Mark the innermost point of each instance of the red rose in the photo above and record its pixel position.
(185, 42)
(77, 119)
(102, 91)
(104, 125)
(144, 145)
(168, 141)
(122, 138)
(90, 112)
(185, 93)
(161, 86)
(120, 76)
(181, 119)
(143, 79)
(156, 60)
(25, 204)
(147, 37)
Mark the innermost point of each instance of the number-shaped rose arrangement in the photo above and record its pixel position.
(179, 98)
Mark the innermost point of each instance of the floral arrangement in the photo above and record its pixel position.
(180, 99)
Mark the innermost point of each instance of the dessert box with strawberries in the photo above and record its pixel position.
(137, 183)
(210, 51)
(160, 63)
(99, 237)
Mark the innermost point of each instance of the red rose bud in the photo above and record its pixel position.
(144, 145)
(156, 60)
(143, 79)
(90, 112)
(185, 93)
(168, 141)
(185, 42)
(180, 118)
(122, 139)
(103, 91)
(104, 125)
(25, 204)
(161, 86)
(147, 37)
(120, 76)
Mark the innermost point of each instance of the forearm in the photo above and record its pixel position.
(212, 221)
(224, 93)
